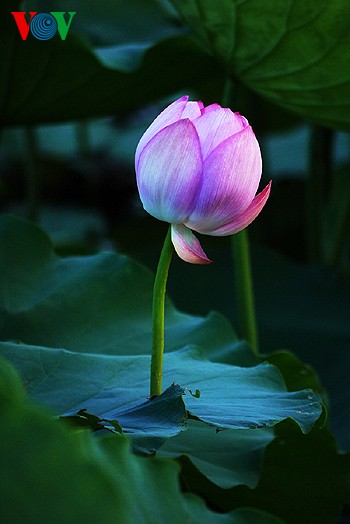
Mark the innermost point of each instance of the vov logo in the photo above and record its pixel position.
(43, 26)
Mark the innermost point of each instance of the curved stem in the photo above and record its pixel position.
(158, 316)
(244, 288)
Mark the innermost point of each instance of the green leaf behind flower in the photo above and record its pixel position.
(293, 53)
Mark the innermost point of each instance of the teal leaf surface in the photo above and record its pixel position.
(231, 397)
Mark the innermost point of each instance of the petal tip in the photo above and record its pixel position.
(183, 98)
(187, 246)
(242, 220)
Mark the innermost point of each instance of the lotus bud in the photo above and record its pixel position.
(199, 169)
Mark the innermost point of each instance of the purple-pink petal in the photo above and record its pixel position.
(214, 126)
(199, 169)
(211, 107)
(246, 217)
(169, 172)
(187, 246)
(171, 114)
(192, 110)
(231, 176)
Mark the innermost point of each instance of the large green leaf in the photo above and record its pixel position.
(295, 53)
(52, 474)
(230, 396)
(97, 303)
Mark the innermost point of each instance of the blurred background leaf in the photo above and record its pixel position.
(115, 22)
(55, 89)
(304, 479)
(293, 53)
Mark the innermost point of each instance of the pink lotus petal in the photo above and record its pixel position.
(246, 217)
(169, 172)
(192, 110)
(211, 107)
(187, 246)
(215, 125)
(171, 114)
(231, 176)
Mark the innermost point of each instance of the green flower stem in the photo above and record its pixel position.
(158, 316)
(244, 288)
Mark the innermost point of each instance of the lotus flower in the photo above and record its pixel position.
(199, 168)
